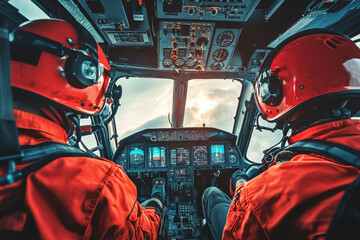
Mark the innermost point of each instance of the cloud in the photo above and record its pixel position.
(143, 100)
(212, 102)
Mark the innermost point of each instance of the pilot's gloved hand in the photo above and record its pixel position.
(238, 175)
(157, 199)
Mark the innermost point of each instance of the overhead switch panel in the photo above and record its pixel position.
(213, 10)
(184, 45)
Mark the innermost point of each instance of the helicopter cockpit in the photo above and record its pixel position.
(166, 55)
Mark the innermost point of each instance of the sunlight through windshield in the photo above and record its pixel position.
(146, 103)
(213, 102)
(29, 9)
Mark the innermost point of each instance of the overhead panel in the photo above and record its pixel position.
(107, 14)
(222, 49)
(70, 6)
(123, 24)
(184, 45)
(213, 10)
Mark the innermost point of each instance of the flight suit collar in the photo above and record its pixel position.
(329, 130)
(32, 123)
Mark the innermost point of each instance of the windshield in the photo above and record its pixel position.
(262, 140)
(212, 102)
(28, 9)
(147, 103)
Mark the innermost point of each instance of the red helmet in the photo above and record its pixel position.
(309, 67)
(65, 65)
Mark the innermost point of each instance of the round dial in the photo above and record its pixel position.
(200, 153)
(217, 66)
(190, 63)
(232, 159)
(225, 38)
(136, 157)
(179, 62)
(220, 55)
(167, 62)
(200, 156)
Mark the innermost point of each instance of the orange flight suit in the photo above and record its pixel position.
(72, 197)
(295, 199)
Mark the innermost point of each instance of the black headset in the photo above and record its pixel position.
(82, 67)
(270, 88)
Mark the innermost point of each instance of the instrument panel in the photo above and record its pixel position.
(189, 159)
(222, 49)
(184, 45)
(195, 46)
(164, 148)
(204, 155)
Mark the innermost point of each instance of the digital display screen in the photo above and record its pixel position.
(217, 154)
(182, 156)
(157, 157)
(137, 159)
(200, 156)
(180, 172)
(173, 157)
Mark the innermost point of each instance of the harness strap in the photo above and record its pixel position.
(41, 154)
(336, 151)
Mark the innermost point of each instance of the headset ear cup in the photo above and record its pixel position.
(271, 90)
(76, 72)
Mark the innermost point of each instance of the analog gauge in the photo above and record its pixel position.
(225, 38)
(220, 55)
(232, 159)
(190, 63)
(167, 62)
(200, 155)
(217, 66)
(179, 62)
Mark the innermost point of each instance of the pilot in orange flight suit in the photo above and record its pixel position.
(311, 84)
(71, 197)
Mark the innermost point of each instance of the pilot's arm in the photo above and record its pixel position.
(241, 222)
(118, 215)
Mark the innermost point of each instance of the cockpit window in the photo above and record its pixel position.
(262, 140)
(145, 103)
(28, 9)
(212, 102)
